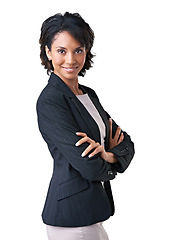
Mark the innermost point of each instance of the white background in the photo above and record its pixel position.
(137, 76)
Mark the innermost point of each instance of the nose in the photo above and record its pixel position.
(70, 58)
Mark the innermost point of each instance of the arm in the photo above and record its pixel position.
(59, 127)
(120, 152)
(96, 148)
(124, 151)
(120, 145)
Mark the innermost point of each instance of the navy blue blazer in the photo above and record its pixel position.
(76, 196)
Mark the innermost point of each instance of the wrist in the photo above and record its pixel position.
(111, 158)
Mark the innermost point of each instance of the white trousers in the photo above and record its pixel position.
(93, 232)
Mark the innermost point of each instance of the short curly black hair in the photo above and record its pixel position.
(76, 26)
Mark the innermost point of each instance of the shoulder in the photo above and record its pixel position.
(89, 90)
(50, 96)
(49, 92)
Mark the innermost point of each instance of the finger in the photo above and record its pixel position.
(89, 148)
(81, 134)
(110, 127)
(96, 151)
(83, 140)
(121, 138)
(118, 130)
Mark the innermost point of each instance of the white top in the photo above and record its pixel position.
(90, 107)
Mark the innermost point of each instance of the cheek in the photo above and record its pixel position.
(57, 59)
(82, 59)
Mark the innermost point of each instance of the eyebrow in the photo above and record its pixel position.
(66, 48)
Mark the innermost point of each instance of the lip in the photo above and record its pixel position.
(70, 69)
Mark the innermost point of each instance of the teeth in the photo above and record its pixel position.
(70, 69)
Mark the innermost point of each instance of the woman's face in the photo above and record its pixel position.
(67, 55)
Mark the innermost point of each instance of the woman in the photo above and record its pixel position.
(87, 146)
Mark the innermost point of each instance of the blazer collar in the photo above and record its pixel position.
(62, 86)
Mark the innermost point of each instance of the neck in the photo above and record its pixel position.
(72, 84)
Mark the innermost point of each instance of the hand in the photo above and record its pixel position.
(117, 138)
(93, 145)
(98, 149)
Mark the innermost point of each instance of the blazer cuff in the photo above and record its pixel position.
(124, 152)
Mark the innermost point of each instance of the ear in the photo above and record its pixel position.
(48, 53)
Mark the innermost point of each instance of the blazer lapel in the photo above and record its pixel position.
(90, 124)
(103, 116)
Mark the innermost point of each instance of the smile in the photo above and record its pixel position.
(70, 69)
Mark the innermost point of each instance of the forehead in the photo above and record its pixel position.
(66, 40)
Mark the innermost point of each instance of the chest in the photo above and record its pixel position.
(90, 118)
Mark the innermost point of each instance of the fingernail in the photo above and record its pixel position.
(90, 156)
(77, 133)
(77, 144)
(83, 154)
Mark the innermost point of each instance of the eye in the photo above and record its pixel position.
(61, 51)
(79, 51)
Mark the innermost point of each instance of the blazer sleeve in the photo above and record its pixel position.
(58, 126)
(124, 151)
